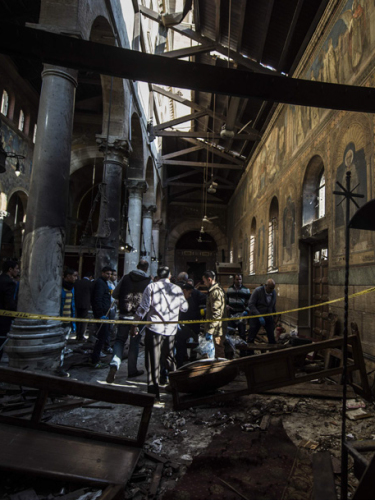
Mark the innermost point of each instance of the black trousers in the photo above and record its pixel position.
(81, 327)
(158, 352)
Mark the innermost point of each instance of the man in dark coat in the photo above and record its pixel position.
(101, 303)
(83, 290)
(196, 301)
(7, 297)
(263, 301)
(129, 293)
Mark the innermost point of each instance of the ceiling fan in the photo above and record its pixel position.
(209, 219)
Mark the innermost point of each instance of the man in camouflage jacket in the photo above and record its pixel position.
(215, 309)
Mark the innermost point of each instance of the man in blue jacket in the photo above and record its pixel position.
(263, 301)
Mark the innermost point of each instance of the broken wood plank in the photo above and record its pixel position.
(324, 480)
(113, 492)
(307, 389)
(155, 457)
(156, 478)
(265, 422)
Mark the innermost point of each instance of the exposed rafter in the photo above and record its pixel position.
(264, 30)
(193, 35)
(178, 121)
(241, 24)
(189, 51)
(203, 164)
(215, 151)
(217, 21)
(207, 135)
(183, 152)
(289, 37)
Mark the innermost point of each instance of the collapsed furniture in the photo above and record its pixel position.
(264, 372)
(31, 446)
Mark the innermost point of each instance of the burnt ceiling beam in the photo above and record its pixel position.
(197, 18)
(189, 51)
(178, 121)
(178, 177)
(290, 34)
(214, 150)
(203, 164)
(195, 184)
(207, 135)
(264, 31)
(123, 63)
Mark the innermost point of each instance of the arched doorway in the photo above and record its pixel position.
(195, 253)
(13, 226)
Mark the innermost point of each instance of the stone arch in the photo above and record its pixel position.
(15, 220)
(112, 88)
(185, 227)
(149, 198)
(136, 159)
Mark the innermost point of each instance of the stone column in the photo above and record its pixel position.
(116, 153)
(37, 344)
(155, 246)
(136, 188)
(3, 215)
(147, 212)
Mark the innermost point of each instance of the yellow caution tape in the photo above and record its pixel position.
(24, 315)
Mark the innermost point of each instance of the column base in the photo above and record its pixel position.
(35, 345)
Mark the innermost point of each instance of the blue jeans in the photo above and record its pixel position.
(118, 349)
(102, 335)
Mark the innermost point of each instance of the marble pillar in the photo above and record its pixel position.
(37, 344)
(147, 214)
(155, 246)
(136, 188)
(3, 215)
(116, 153)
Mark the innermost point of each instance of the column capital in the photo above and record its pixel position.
(148, 210)
(136, 186)
(117, 148)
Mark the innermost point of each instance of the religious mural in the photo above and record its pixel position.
(12, 143)
(345, 52)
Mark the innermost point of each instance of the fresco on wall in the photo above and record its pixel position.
(289, 222)
(345, 52)
(13, 143)
(355, 162)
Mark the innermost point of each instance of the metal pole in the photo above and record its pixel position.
(344, 451)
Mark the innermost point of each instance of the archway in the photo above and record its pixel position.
(13, 226)
(195, 253)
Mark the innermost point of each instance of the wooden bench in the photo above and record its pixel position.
(30, 446)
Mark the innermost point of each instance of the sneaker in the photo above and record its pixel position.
(102, 355)
(111, 375)
(62, 373)
(138, 373)
(108, 350)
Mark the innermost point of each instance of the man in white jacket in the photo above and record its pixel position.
(161, 302)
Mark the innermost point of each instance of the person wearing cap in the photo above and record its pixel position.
(196, 301)
(215, 310)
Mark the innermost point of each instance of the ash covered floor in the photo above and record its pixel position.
(260, 445)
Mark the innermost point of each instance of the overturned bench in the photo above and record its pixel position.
(30, 446)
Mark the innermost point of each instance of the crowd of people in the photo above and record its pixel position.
(166, 302)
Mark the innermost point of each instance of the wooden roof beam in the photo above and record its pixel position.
(189, 51)
(178, 121)
(242, 11)
(66, 51)
(182, 152)
(203, 164)
(217, 21)
(215, 151)
(264, 30)
(290, 34)
(252, 136)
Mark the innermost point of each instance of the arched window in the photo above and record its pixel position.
(321, 198)
(252, 247)
(314, 191)
(21, 121)
(5, 103)
(273, 233)
(231, 253)
(240, 246)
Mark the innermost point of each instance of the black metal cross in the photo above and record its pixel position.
(349, 196)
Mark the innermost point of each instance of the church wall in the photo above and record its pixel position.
(341, 51)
